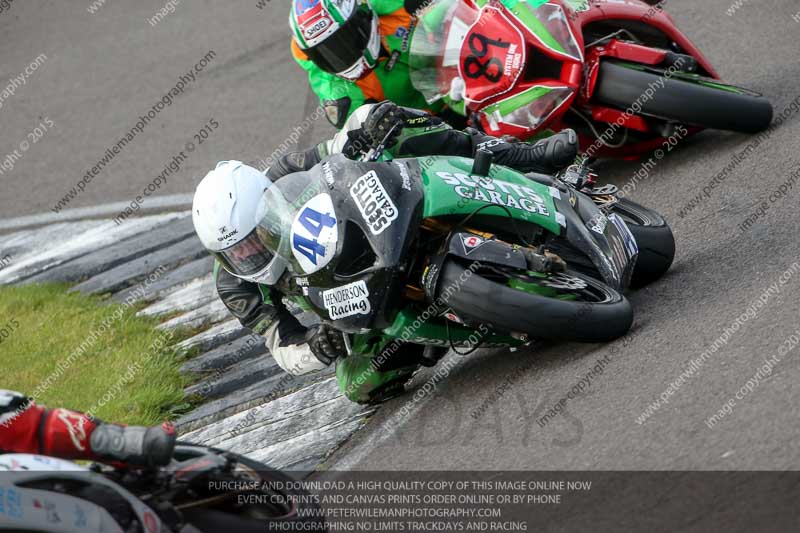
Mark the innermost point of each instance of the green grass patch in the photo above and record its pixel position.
(75, 351)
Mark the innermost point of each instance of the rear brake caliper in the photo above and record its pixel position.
(544, 262)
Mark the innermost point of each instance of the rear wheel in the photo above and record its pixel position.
(654, 238)
(565, 306)
(683, 98)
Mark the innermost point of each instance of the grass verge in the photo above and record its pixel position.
(75, 351)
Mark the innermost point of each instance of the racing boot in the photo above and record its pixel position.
(362, 383)
(546, 156)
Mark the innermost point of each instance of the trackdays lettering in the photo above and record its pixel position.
(374, 203)
(495, 191)
(347, 300)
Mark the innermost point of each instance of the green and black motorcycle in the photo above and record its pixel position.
(447, 251)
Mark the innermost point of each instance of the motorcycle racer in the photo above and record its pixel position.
(252, 280)
(26, 427)
(355, 52)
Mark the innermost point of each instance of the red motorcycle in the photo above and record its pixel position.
(617, 71)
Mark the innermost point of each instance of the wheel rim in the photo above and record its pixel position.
(565, 286)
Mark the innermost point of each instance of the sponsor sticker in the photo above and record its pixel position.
(314, 21)
(226, 234)
(597, 223)
(496, 191)
(404, 175)
(327, 172)
(389, 65)
(347, 300)
(314, 234)
(471, 243)
(75, 425)
(453, 317)
(316, 28)
(374, 203)
(627, 236)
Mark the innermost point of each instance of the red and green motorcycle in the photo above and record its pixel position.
(617, 71)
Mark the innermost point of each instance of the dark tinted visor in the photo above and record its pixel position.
(345, 46)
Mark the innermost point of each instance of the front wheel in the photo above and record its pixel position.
(692, 101)
(564, 306)
(653, 237)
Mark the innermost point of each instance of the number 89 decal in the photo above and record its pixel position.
(474, 68)
(314, 234)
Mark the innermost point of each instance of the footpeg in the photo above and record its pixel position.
(683, 62)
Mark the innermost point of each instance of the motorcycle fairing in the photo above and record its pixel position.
(527, 109)
(451, 191)
(612, 250)
(358, 287)
(35, 509)
(411, 326)
(493, 62)
(607, 243)
(472, 248)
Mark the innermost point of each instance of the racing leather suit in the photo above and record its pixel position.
(26, 427)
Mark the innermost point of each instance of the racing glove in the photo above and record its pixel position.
(387, 115)
(325, 343)
(134, 445)
(26, 427)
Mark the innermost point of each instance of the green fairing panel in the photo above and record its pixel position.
(451, 190)
(409, 326)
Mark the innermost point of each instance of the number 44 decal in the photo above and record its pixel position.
(314, 234)
(314, 222)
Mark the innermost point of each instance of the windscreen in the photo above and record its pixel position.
(478, 54)
(298, 221)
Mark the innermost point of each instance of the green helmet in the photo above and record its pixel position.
(339, 36)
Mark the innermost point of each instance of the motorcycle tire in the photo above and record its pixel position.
(681, 100)
(486, 297)
(654, 238)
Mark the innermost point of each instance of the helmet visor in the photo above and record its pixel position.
(247, 257)
(342, 49)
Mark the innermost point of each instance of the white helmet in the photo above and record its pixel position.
(225, 213)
